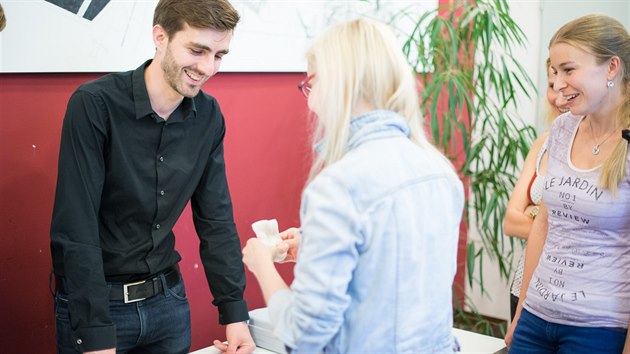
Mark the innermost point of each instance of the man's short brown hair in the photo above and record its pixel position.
(218, 15)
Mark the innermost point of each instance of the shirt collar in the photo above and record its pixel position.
(376, 125)
(143, 103)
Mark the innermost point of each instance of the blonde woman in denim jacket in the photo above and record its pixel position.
(380, 214)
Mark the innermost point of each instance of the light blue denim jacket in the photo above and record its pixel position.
(378, 251)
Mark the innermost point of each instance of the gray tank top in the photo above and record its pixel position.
(583, 276)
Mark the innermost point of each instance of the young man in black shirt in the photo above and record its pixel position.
(135, 148)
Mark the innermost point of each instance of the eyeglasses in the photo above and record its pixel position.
(305, 85)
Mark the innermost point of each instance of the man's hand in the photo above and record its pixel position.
(106, 351)
(238, 338)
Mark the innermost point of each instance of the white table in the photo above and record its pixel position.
(261, 328)
(212, 350)
(470, 342)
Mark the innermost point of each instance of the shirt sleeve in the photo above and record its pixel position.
(308, 317)
(75, 244)
(220, 246)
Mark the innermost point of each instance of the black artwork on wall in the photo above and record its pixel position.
(95, 7)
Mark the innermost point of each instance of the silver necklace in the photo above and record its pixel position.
(595, 149)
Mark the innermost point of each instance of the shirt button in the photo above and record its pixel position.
(157, 226)
(161, 192)
(161, 158)
(79, 341)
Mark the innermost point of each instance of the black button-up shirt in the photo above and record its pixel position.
(125, 176)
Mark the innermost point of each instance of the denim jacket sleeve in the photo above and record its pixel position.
(310, 315)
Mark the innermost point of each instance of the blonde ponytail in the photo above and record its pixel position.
(614, 169)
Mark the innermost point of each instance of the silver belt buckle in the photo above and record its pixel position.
(126, 292)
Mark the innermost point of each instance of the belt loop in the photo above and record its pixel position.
(164, 285)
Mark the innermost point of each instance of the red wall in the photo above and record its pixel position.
(267, 159)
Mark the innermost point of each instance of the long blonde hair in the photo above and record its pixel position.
(352, 60)
(605, 37)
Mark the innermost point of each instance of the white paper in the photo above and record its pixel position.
(267, 232)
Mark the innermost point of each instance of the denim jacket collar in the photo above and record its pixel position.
(377, 124)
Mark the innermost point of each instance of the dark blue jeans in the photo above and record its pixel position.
(534, 335)
(160, 324)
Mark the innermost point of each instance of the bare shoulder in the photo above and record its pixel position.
(537, 144)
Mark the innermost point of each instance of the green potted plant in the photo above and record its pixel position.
(469, 82)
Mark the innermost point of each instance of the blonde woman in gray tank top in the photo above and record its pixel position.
(575, 296)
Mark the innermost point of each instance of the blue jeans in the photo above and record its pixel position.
(160, 324)
(534, 335)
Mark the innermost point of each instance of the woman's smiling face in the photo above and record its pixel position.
(578, 78)
(555, 99)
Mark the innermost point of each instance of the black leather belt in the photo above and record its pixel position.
(137, 291)
(144, 289)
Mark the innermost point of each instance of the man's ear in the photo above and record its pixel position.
(160, 37)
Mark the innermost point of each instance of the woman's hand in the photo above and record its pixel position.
(510, 334)
(257, 255)
(290, 244)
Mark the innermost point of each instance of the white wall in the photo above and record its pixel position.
(539, 19)
(272, 36)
